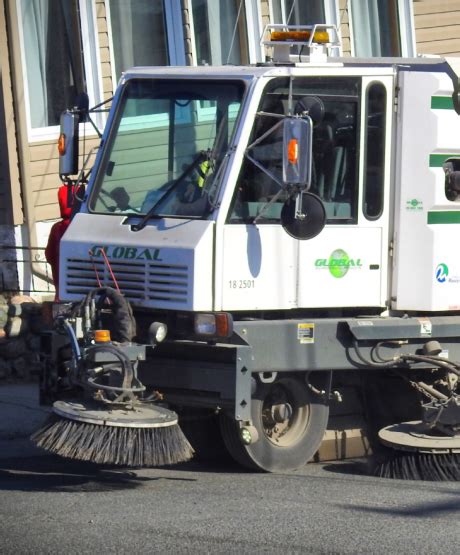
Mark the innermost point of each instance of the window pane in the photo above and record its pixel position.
(53, 58)
(138, 34)
(220, 32)
(335, 152)
(375, 151)
(295, 12)
(170, 161)
(376, 27)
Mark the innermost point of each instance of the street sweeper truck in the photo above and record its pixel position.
(247, 238)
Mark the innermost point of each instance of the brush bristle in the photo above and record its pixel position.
(111, 445)
(432, 467)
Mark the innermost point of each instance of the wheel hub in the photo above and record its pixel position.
(282, 412)
(283, 420)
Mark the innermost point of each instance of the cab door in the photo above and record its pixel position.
(346, 265)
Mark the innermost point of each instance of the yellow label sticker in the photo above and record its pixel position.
(306, 333)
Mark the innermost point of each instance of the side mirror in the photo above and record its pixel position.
(297, 151)
(68, 143)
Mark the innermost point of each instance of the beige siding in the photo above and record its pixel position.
(44, 175)
(437, 26)
(104, 50)
(187, 33)
(344, 27)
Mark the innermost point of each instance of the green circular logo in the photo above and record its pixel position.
(338, 263)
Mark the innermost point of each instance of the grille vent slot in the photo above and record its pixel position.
(151, 281)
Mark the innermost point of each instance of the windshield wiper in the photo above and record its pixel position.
(202, 156)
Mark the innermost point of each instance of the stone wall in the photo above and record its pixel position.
(8, 266)
(20, 326)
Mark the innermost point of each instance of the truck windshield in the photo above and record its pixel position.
(166, 145)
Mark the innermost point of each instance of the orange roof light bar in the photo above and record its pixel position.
(320, 37)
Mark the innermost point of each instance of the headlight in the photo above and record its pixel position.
(157, 332)
(216, 324)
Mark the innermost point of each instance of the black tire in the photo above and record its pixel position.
(300, 437)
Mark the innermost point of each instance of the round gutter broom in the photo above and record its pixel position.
(110, 423)
(419, 453)
(139, 436)
(428, 449)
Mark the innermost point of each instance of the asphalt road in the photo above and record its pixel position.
(49, 505)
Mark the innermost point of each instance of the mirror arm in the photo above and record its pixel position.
(267, 172)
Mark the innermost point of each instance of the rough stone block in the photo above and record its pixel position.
(343, 444)
(16, 326)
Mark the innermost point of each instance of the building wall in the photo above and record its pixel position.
(344, 27)
(10, 194)
(437, 26)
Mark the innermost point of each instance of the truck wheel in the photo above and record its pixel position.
(291, 421)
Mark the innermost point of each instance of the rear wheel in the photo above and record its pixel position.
(290, 420)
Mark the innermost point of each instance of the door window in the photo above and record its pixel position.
(335, 150)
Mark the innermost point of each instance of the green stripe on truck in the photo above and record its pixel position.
(437, 160)
(442, 103)
(444, 217)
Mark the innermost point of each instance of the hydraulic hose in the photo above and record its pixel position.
(73, 339)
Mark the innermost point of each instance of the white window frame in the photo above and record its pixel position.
(406, 29)
(92, 63)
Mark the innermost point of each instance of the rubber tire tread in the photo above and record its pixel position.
(244, 455)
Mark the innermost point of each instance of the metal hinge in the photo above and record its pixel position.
(396, 99)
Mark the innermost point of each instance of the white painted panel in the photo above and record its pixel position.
(341, 267)
(422, 249)
(259, 268)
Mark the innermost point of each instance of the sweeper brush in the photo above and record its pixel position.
(108, 420)
(141, 436)
(426, 449)
(419, 453)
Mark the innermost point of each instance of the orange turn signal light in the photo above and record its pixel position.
(293, 151)
(102, 336)
(61, 144)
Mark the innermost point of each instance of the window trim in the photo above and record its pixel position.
(92, 65)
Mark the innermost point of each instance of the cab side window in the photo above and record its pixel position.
(335, 152)
(375, 151)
